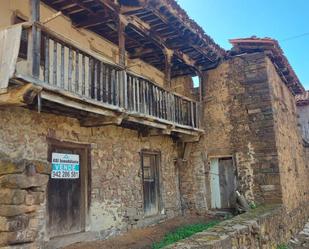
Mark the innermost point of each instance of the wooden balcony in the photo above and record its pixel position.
(78, 82)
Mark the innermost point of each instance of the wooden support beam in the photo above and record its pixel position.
(65, 101)
(145, 30)
(121, 40)
(189, 138)
(101, 121)
(20, 96)
(168, 66)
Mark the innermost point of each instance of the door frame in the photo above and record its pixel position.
(85, 181)
(157, 154)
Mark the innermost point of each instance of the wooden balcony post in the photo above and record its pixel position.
(34, 40)
(168, 66)
(123, 89)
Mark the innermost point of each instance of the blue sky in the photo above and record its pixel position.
(278, 19)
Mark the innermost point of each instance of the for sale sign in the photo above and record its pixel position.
(65, 166)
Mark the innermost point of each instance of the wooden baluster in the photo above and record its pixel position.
(165, 104)
(149, 98)
(90, 83)
(108, 84)
(129, 92)
(46, 64)
(105, 85)
(134, 93)
(62, 67)
(177, 109)
(70, 65)
(55, 64)
(147, 101)
(157, 102)
(95, 80)
(144, 97)
(101, 81)
(125, 90)
(77, 72)
(137, 95)
(116, 88)
(154, 102)
(160, 103)
(83, 75)
(112, 86)
(120, 83)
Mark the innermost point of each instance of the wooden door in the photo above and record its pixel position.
(150, 167)
(66, 197)
(227, 179)
(222, 183)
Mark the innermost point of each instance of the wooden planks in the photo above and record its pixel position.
(146, 98)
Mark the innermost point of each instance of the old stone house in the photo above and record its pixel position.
(104, 130)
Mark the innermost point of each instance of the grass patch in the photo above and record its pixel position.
(282, 246)
(183, 232)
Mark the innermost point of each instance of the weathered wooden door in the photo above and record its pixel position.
(150, 166)
(222, 183)
(66, 197)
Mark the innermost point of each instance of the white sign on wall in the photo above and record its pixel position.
(65, 166)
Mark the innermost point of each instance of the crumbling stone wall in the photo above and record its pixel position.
(22, 200)
(290, 149)
(263, 228)
(239, 121)
(250, 114)
(116, 185)
(193, 181)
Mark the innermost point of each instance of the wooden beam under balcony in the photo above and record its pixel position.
(20, 95)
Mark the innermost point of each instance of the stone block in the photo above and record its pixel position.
(34, 198)
(13, 210)
(12, 238)
(42, 167)
(8, 166)
(12, 196)
(15, 223)
(23, 181)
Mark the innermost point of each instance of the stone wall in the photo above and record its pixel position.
(249, 114)
(22, 200)
(290, 149)
(263, 228)
(193, 181)
(116, 187)
(239, 122)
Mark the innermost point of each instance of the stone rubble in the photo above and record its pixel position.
(301, 240)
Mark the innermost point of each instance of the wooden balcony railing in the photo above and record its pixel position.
(67, 66)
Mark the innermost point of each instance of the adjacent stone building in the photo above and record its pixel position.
(102, 130)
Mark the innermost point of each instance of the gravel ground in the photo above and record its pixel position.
(142, 238)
